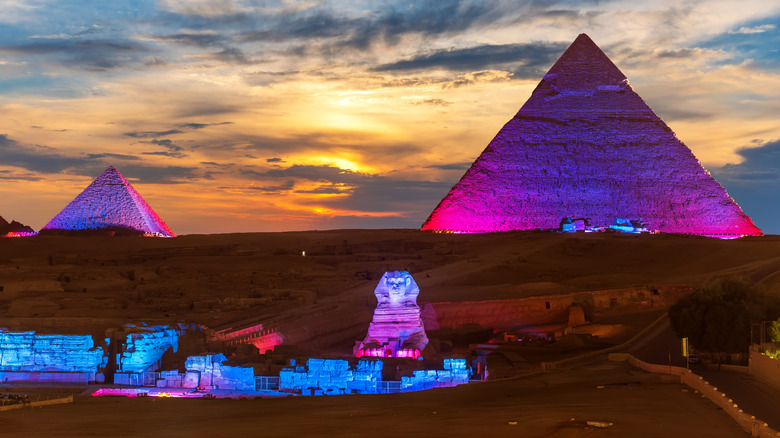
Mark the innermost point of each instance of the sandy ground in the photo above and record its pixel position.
(78, 285)
(91, 283)
(550, 405)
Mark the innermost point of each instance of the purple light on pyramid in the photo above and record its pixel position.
(586, 145)
(110, 202)
(396, 329)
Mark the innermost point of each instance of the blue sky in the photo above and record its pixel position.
(282, 115)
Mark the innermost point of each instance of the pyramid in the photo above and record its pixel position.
(586, 145)
(110, 203)
(14, 229)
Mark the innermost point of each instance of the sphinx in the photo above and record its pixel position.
(396, 329)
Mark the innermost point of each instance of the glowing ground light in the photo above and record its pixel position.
(20, 234)
(412, 353)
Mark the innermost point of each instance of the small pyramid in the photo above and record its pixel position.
(110, 202)
(586, 145)
(14, 229)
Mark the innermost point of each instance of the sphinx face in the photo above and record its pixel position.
(397, 289)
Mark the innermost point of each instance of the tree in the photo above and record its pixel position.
(774, 331)
(717, 316)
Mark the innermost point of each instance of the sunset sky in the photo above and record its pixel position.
(241, 116)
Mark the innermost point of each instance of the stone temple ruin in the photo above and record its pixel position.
(111, 204)
(396, 329)
(585, 145)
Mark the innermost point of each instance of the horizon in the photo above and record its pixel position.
(242, 117)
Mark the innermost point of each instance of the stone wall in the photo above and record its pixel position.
(332, 377)
(28, 351)
(212, 374)
(455, 373)
(765, 368)
(546, 309)
(747, 422)
(144, 348)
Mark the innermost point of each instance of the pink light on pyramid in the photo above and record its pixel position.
(586, 145)
(110, 202)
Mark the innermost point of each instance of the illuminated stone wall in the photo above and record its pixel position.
(143, 350)
(214, 375)
(331, 377)
(28, 351)
(455, 372)
(110, 202)
(586, 145)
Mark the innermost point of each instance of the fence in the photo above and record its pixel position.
(747, 422)
(266, 383)
(137, 379)
(389, 386)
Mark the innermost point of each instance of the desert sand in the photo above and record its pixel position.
(88, 284)
(558, 404)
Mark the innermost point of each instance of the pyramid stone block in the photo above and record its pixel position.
(586, 145)
(110, 203)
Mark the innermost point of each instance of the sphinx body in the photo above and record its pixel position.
(396, 329)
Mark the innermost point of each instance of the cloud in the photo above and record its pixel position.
(433, 102)
(755, 29)
(230, 55)
(274, 160)
(271, 189)
(44, 160)
(528, 61)
(110, 155)
(363, 191)
(161, 174)
(94, 55)
(759, 164)
(8, 175)
(151, 134)
(451, 166)
(387, 25)
(209, 38)
(193, 126)
(215, 164)
(173, 150)
(753, 184)
(37, 158)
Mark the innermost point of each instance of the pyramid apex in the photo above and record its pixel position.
(584, 66)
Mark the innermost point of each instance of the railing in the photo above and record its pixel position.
(266, 383)
(389, 386)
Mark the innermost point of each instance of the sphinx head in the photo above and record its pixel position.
(397, 288)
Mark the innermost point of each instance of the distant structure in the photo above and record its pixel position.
(585, 145)
(14, 229)
(396, 329)
(111, 204)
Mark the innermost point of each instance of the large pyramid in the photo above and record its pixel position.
(586, 145)
(110, 203)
